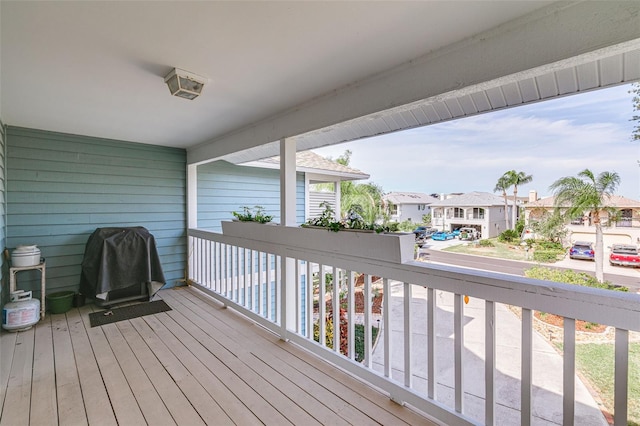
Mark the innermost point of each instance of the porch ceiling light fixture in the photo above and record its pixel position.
(184, 84)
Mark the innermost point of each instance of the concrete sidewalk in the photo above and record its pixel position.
(547, 362)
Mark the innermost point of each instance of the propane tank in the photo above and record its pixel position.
(21, 313)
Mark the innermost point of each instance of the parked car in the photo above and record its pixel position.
(624, 255)
(469, 234)
(442, 236)
(424, 231)
(582, 250)
(456, 232)
(422, 234)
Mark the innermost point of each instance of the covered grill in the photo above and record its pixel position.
(120, 264)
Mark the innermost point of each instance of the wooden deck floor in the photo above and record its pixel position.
(196, 364)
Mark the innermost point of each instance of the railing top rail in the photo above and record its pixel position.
(618, 309)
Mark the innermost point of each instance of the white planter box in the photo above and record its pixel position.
(397, 248)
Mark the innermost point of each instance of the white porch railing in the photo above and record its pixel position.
(247, 274)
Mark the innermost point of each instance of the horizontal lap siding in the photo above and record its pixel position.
(224, 187)
(3, 238)
(60, 188)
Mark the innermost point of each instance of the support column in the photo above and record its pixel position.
(288, 218)
(192, 211)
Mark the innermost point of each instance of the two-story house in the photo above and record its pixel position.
(411, 206)
(480, 210)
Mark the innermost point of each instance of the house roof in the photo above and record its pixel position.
(310, 162)
(614, 201)
(318, 72)
(399, 198)
(472, 199)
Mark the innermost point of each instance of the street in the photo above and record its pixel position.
(629, 277)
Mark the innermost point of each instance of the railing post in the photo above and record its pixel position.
(621, 374)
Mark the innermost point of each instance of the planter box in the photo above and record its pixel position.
(397, 248)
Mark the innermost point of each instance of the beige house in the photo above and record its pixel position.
(626, 229)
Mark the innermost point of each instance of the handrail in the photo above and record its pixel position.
(242, 265)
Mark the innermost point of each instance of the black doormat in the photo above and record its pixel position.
(127, 312)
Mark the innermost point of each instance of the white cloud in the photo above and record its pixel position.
(548, 140)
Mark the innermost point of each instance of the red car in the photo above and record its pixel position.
(624, 255)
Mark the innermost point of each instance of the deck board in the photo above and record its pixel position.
(94, 393)
(196, 364)
(44, 407)
(69, 394)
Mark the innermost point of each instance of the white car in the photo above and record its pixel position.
(468, 234)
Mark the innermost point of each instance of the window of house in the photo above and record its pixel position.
(393, 209)
(626, 216)
(458, 212)
(421, 207)
(478, 213)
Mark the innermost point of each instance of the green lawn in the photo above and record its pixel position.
(595, 362)
(501, 250)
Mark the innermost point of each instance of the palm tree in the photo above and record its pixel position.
(503, 185)
(516, 178)
(587, 193)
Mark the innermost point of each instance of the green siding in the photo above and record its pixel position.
(60, 188)
(4, 279)
(224, 187)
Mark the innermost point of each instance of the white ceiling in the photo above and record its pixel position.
(97, 68)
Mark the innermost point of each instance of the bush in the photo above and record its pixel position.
(486, 243)
(569, 277)
(546, 256)
(509, 236)
(550, 245)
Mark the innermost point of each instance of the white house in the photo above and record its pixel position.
(412, 206)
(481, 210)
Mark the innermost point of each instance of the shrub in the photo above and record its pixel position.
(546, 256)
(550, 245)
(509, 236)
(569, 277)
(486, 243)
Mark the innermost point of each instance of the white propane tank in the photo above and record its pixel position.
(21, 313)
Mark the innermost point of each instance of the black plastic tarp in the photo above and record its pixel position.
(118, 258)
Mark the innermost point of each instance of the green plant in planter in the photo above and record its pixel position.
(353, 220)
(326, 219)
(255, 214)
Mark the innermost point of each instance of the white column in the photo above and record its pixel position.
(192, 210)
(192, 196)
(338, 200)
(288, 218)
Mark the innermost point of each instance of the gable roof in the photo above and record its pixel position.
(472, 199)
(408, 198)
(310, 162)
(614, 201)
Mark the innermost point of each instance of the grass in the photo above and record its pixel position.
(596, 363)
(511, 251)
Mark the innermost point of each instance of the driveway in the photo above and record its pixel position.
(547, 362)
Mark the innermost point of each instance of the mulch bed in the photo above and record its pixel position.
(558, 321)
(376, 304)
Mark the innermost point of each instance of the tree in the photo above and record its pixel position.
(635, 134)
(503, 185)
(367, 196)
(514, 179)
(550, 226)
(587, 193)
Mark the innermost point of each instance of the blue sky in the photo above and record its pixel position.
(548, 140)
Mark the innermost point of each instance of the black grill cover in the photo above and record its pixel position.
(117, 258)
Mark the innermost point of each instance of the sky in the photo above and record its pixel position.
(548, 140)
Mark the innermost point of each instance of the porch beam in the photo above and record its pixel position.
(562, 35)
